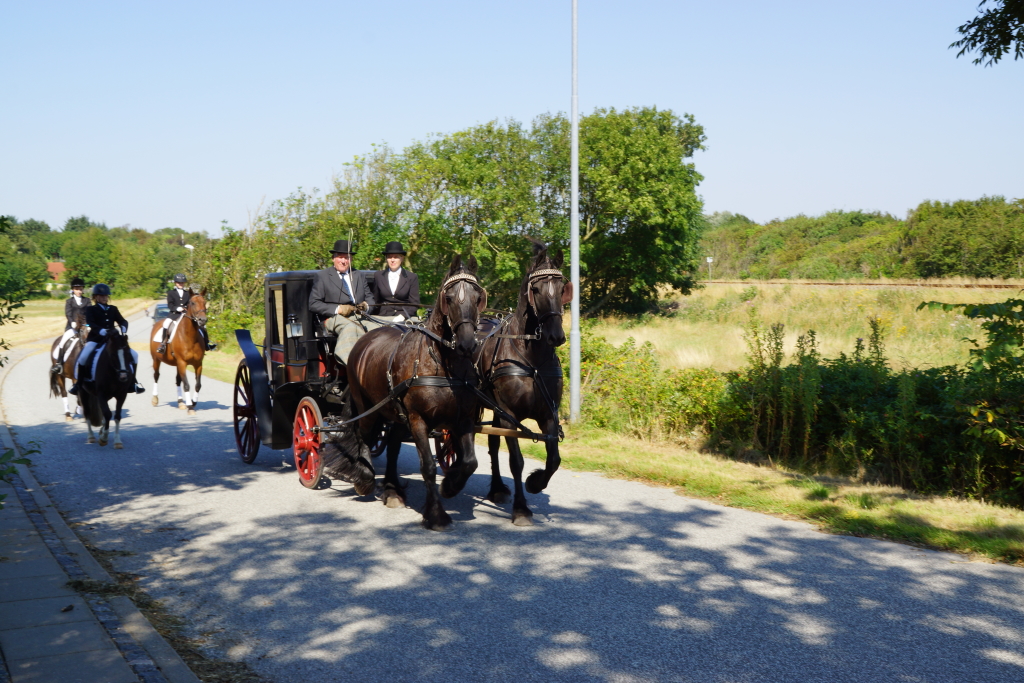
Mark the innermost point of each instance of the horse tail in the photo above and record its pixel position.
(91, 408)
(55, 384)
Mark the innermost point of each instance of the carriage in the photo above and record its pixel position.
(293, 393)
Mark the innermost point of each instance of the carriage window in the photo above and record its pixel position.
(278, 294)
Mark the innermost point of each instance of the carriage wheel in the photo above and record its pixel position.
(306, 443)
(247, 432)
(444, 446)
(381, 444)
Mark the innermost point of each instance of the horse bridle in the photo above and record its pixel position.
(190, 316)
(543, 274)
(452, 281)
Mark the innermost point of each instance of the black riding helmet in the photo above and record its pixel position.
(77, 282)
(180, 277)
(100, 289)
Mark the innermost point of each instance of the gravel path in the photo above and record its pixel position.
(617, 581)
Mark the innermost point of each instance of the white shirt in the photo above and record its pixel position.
(348, 284)
(393, 277)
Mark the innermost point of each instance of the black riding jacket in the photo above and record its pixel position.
(175, 298)
(71, 309)
(98, 318)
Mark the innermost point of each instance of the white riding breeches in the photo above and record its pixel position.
(68, 334)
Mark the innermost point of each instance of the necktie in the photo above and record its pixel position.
(344, 287)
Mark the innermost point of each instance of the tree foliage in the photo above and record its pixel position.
(980, 238)
(481, 191)
(994, 32)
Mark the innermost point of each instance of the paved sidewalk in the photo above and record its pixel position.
(50, 633)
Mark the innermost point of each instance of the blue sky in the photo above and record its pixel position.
(185, 114)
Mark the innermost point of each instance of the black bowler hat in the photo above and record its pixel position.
(394, 248)
(341, 247)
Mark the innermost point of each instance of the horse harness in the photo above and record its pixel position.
(396, 391)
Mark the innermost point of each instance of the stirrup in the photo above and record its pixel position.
(162, 348)
(74, 389)
(139, 389)
(57, 367)
(211, 347)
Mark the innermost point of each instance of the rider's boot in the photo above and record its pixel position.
(163, 343)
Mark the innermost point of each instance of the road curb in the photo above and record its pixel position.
(131, 621)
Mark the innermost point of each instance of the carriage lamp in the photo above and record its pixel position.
(294, 326)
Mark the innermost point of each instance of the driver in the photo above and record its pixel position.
(101, 318)
(338, 292)
(74, 304)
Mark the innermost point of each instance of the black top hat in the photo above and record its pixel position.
(394, 248)
(341, 247)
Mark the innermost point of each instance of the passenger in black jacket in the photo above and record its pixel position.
(398, 290)
(101, 318)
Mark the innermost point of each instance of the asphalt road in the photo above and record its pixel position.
(617, 581)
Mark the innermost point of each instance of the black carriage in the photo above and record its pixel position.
(283, 392)
(293, 391)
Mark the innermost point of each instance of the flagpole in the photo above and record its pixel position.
(574, 245)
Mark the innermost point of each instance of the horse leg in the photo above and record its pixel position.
(464, 466)
(156, 379)
(92, 437)
(434, 516)
(392, 494)
(199, 385)
(539, 479)
(182, 368)
(499, 493)
(117, 423)
(521, 515)
(105, 429)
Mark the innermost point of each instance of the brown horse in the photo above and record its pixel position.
(434, 374)
(187, 348)
(67, 365)
(524, 377)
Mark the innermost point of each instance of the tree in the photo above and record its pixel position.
(641, 218)
(993, 32)
(12, 289)
(89, 255)
(81, 224)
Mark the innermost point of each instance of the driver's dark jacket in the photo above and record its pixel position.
(99, 319)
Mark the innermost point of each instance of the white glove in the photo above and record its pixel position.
(399, 318)
(179, 309)
(103, 333)
(74, 325)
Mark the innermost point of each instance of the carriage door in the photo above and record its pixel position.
(275, 334)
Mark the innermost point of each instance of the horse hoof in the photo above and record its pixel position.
(535, 482)
(191, 411)
(440, 525)
(365, 488)
(68, 417)
(103, 442)
(155, 401)
(393, 500)
(182, 406)
(499, 497)
(118, 446)
(522, 518)
(91, 439)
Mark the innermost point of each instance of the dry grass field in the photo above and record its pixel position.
(707, 328)
(45, 318)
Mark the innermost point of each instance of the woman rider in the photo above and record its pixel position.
(177, 302)
(101, 318)
(75, 303)
(397, 290)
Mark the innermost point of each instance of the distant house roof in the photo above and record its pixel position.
(56, 269)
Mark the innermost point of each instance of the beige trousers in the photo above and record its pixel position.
(349, 330)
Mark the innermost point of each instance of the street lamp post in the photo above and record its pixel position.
(191, 250)
(574, 244)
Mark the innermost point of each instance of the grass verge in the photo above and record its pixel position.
(171, 627)
(835, 504)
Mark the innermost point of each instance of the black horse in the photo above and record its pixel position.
(524, 376)
(113, 379)
(435, 379)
